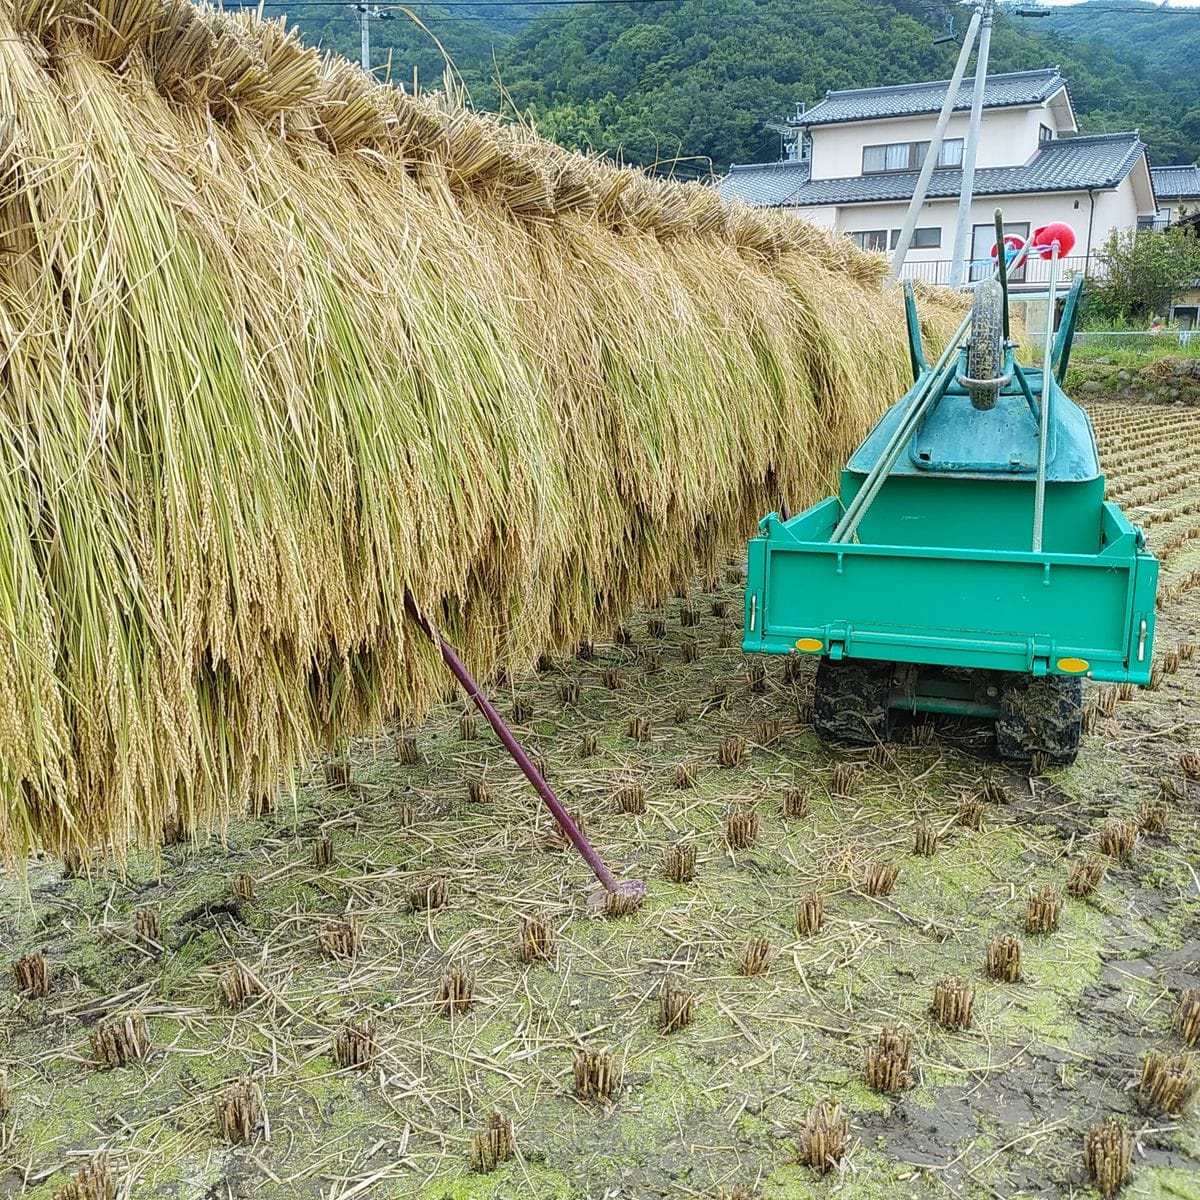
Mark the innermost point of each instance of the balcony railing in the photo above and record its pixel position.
(1034, 274)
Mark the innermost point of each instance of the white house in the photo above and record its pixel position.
(853, 160)
(1178, 192)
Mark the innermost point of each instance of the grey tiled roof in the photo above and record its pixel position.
(1066, 165)
(1176, 183)
(866, 104)
(766, 185)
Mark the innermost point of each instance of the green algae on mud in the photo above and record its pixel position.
(1164, 1183)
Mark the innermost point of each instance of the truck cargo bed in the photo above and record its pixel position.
(1008, 610)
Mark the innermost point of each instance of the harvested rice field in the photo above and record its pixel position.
(909, 972)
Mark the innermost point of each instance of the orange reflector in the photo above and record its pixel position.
(810, 645)
(1073, 666)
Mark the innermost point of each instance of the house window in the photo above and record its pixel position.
(909, 156)
(983, 238)
(1160, 220)
(1045, 133)
(870, 239)
(951, 155)
(878, 159)
(927, 238)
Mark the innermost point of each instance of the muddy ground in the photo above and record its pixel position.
(996, 1110)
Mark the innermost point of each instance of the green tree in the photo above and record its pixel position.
(1142, 271)
(704, 79)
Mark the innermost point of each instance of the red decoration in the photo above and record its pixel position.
(1056, 231)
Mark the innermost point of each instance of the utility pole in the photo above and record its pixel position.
(364, 13)
(958, 261)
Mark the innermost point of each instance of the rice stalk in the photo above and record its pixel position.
(263, 383)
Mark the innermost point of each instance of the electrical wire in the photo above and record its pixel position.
(915, 6)
(923, 6)
(1090, 9)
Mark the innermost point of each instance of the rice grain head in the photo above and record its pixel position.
(366, 365)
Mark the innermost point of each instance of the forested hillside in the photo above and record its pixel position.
(1163, 43)
(701, 80)
(399, 43)
(1159, 45)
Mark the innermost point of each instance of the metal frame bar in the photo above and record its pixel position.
(1039, 493)
(935, 149)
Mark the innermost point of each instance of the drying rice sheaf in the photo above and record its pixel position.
(282, 346)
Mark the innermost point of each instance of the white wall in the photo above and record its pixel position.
(1114, 210)
(936, 214)
(826, 218)
(1008, 138)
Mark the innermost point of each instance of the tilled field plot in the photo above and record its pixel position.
(344, 981)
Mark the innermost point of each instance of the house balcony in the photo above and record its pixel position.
(1034, 275)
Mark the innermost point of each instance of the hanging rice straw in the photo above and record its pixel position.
(283, 348)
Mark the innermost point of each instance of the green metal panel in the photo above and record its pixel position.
(979, 513)
(994, 609)
(960, 440)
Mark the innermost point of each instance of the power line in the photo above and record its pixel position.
(1088, 10)
(291, 7)
(913, 6)
(910, 6)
